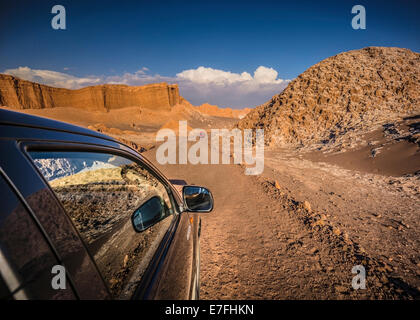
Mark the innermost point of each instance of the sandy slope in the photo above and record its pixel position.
(263, 241)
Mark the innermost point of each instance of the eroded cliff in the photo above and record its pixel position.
(21, 94)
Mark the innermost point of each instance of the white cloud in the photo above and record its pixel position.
(223, 88)
(227, 89)
(52, 78)
(266, 75)
(138, 78)
(209, 75)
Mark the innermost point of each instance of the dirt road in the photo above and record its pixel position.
(262, 242)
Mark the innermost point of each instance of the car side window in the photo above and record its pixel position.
(121, 210)
(26, 259)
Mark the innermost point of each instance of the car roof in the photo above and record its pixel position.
(9, 117)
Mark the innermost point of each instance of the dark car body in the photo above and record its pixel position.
(36, 233)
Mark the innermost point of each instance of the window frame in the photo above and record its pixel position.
(65, 146)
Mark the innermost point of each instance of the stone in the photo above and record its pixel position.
(336, 231)
(307, 206)
(313, 251)
(341, 289)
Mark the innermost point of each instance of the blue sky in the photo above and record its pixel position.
(135, 42)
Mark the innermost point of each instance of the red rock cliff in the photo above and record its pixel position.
(21, 94)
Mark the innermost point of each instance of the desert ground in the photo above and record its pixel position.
(296, 231)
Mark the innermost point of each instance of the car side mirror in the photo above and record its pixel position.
(197, 199)
(147, 214)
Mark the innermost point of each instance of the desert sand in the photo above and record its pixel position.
(296, 231)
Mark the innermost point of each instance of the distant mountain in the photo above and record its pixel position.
(213, 110)
(21, 94)
(348, 92)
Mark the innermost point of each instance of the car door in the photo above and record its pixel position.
(26, 254)
(127, 216)
(56, 227)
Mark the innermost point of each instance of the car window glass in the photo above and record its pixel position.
(26, 260)
(107, 196)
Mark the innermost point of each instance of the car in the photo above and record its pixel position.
(84, 216)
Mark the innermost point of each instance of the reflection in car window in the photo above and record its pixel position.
(101, 192)
(25, 256)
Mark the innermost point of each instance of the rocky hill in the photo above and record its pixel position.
(213, 110)
(345, 93)
(21, 94)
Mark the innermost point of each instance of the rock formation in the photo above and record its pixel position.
(21, 94)
(348, 92)
(215, 111)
